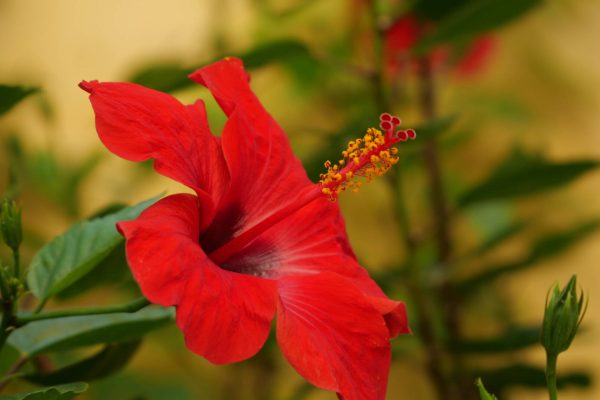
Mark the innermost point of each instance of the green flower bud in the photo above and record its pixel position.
(563, 314)
(10, 224)
(483, 393)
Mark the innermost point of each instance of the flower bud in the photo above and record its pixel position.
(483, 393)
(10, 224)
(563, 314)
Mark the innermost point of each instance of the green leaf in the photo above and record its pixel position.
(61, 392)
(169, 77)
(499, 237)
(11, 95)
(76, 252)
(553, 244)
(71, 332)
(433, 129)
(112, 272)
(58, 181)
(166, 77)
(513, 339)
(278, 50)
(545, 247)
(499, 380)
(483, 394)
(436, 9)
(110, 359)
(473, 18)
(522, 174)
(153, 386)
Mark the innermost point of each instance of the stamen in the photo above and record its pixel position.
(366, 157)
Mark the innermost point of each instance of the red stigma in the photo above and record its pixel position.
(389, 124)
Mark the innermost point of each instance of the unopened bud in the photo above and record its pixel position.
(483, 393)
(563, 314)
(10, 224)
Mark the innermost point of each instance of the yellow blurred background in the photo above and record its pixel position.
(549, 60)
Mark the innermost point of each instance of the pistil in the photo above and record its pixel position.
(364, 158)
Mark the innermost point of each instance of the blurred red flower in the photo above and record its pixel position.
(407, 31)
(256, 239)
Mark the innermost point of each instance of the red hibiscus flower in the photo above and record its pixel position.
(257, 238)
(407, 31)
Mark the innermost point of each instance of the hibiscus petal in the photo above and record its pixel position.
(226, 317)
(476, 56)
(138, 123)
(160, 246)
(213, 305)
(333, 336)
(314, 240)
(266, 177)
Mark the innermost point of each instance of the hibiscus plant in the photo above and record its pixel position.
(255, 240)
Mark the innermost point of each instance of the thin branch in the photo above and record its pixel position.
(130, 307)
(13, 372)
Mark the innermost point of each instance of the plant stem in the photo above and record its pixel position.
(377, 78)
(8, 317)
(551, 360)
(13, 372)
(432, 163)
(17, 264)
(422, 306)
(433, 348)
(130, 307)
(439, 203)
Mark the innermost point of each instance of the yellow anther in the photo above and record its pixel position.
(366, 158)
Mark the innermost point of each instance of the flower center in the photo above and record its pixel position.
(365, 158)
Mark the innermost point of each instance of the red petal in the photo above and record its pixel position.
(265, 175)
(137, 123)
(333, 336)
(310, 241)
(161, 249)
(226, 317)
(213, 305)
(476, 56)
(400, 37)
(394, 312)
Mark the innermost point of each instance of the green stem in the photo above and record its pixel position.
(378, 83)
(13, 372)
(17, 264)
(4, 288)
(130, 307)
(8, 317)
(551, 360)
(456, 388)
(434, 350)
